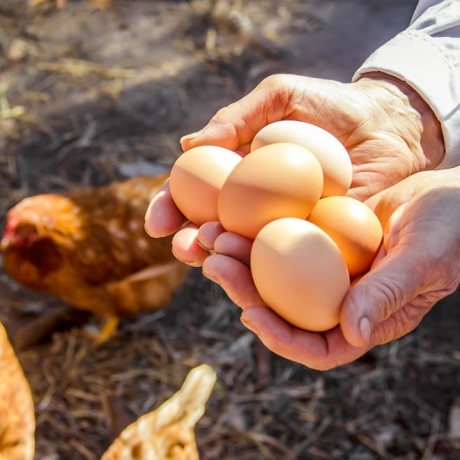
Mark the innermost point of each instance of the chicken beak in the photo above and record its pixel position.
(9, 241)
(5, 243)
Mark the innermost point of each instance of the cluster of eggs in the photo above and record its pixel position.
(288, 196)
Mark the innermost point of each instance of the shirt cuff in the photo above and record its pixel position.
(425, 64)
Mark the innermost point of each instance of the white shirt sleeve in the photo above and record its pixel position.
(427, 56)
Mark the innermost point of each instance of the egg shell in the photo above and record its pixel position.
(196, 179)
(275, 181)
(299, 273)
(353, 226)
(330, 152)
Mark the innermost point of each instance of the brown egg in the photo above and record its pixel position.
(353, 226)
(329, 151)
(196, 179)
(299, 273)
(278, 180)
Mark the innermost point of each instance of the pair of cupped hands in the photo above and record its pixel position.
(395, 143)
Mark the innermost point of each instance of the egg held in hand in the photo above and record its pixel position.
(353, 226)
(196, 179)
(300, 273)
(330, 152)
(275, 181)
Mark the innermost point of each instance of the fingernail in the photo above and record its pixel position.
(365, 328)
(174, 254)
(210, 277)
(148, 232)
(187, 262)
(190, 136)
(248, 324)
(202, 246)
(148, 218)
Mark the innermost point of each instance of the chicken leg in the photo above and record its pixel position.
(106, 332)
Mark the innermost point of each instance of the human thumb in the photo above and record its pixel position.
(393, 281)
(234, 126)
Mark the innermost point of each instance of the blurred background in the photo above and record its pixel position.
(96, 91)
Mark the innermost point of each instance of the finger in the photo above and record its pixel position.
(314, 350)
(163, 217)
(208, 233)
(392, 283)
(409, 276)
(405, 320)
(235, 246)
(375, 199)
(236, 125)
(386, 207)
(185, 246)
(386, 202)
(235, 279)
(381, 254)
(321, 351)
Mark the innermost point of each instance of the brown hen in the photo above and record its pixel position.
(89, 248)
(17, 416)
(167, 433)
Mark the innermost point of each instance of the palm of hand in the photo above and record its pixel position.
(421, 244)
(418, 265)
(382, 134)
(379, 129)
(381, 142)
(381, 137)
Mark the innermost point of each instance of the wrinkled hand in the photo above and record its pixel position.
(418, 264)
(385, 126)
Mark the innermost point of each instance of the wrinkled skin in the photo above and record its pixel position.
(390, 134)
(418, 264)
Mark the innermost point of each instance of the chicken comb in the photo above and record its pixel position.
(10, 227)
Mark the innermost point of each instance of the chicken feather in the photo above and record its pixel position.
(88, 247)
(167, 433)
(17, 416)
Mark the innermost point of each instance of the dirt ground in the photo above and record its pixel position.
(88, 96)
